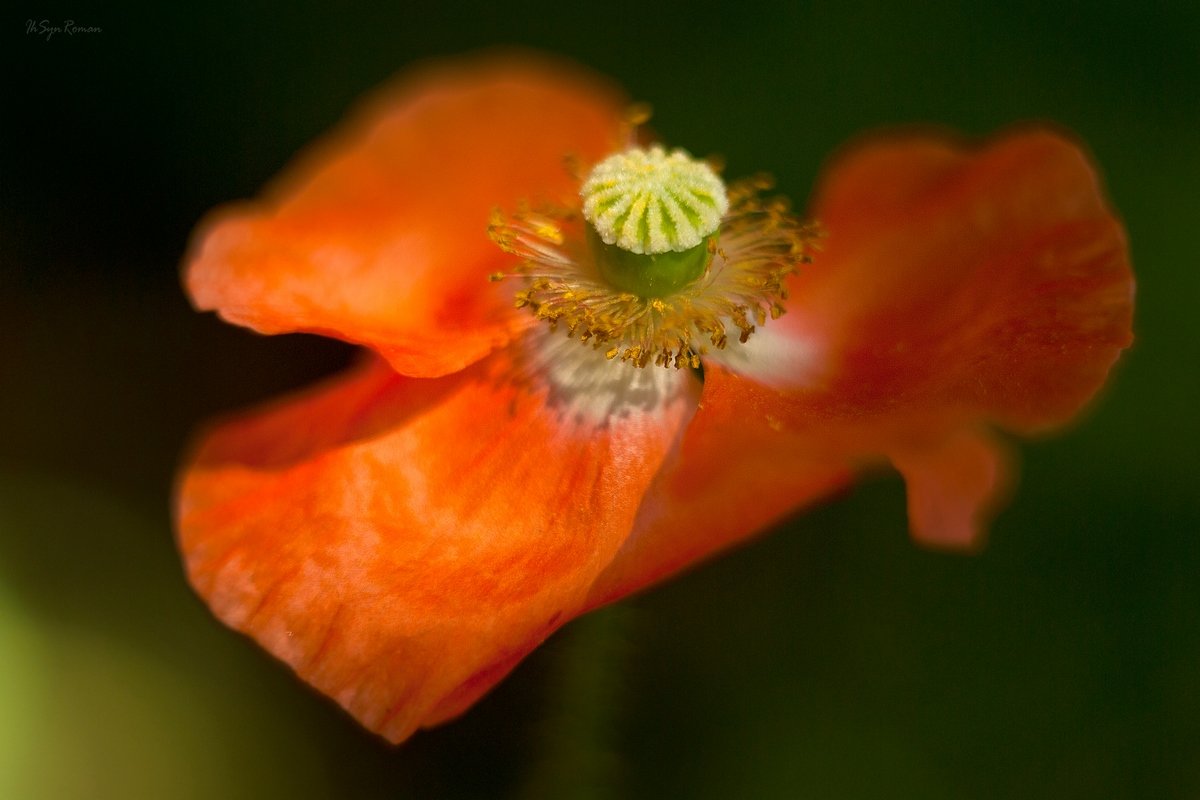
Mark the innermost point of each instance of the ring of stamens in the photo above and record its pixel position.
(758, 244)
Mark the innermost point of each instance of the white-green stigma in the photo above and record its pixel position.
(651, 201)
(665, 264)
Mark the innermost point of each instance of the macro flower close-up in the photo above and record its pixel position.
(590, 360)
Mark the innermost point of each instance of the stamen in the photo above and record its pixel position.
(746, 259)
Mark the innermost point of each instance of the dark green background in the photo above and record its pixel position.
(832, 659)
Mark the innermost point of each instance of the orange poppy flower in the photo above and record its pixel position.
(403, 534)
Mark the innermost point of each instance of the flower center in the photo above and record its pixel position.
(665, 264)
(651, 216)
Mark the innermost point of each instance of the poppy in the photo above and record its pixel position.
(641, 366)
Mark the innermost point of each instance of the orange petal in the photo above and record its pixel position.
(956, 288)
(952, 487)
(727, 481)
(401, 542)
(379, 235)
(991, 283)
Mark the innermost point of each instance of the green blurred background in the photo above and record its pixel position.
(832, 659)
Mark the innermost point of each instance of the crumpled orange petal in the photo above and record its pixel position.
(379, 236)
(402, 543)
(993, 283)
(957, 289)
(953, 486)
